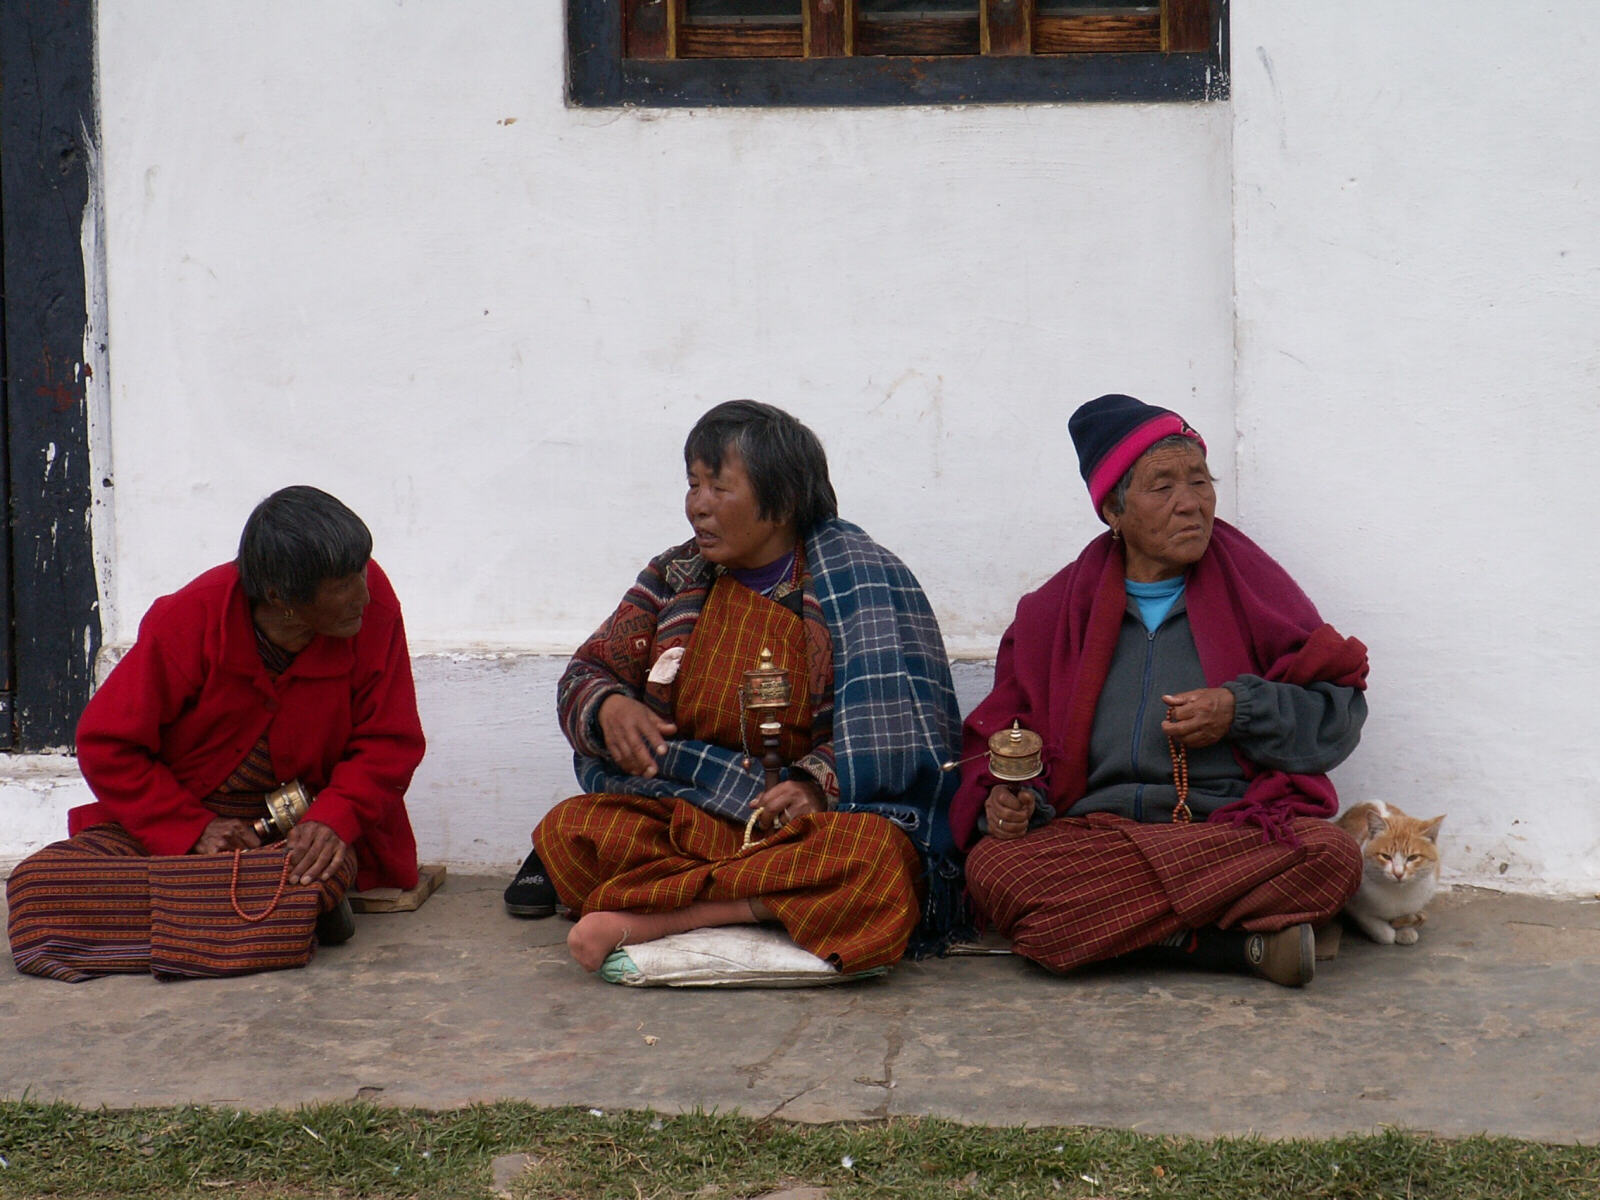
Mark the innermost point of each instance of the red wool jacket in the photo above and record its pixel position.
(191, 697)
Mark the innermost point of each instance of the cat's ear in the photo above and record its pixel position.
(1362, 822)
(1353, 821)
(1430, 829)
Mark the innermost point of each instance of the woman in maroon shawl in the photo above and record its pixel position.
(1191, 701)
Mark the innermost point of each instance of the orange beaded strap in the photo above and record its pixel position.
(233, 891)
(1180, 777)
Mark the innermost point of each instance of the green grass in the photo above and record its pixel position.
(360, 1150)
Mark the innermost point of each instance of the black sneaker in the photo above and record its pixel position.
(531, 893)
(337, 925)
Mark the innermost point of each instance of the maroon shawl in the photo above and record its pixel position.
(1247, 617)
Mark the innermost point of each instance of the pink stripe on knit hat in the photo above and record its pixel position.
(1110, 470)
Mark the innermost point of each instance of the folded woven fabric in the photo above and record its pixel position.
(725, 956)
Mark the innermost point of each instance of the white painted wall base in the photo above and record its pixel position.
(497, 763)
(35, 792)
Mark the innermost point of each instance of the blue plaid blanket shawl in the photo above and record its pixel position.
(895, 718)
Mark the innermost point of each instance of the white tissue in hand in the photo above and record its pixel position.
(666, 668)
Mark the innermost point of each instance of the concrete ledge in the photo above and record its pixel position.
(35, 793)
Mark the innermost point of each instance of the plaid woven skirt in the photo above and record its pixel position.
(1082, 889)
(97, 904)
(844, 885)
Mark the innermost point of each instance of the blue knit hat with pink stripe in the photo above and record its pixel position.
(1111, 432)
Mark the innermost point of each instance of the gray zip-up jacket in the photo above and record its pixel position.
(1277, 726)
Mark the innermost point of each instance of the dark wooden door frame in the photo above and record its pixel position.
(47, 119)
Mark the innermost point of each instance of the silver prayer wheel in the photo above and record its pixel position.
(286, 804)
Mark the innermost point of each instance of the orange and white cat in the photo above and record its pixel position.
(1400, 870)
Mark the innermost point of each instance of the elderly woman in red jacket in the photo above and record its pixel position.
(287, 665)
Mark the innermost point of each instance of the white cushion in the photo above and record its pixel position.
(724, 956)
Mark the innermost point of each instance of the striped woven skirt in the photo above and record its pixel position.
(843, 885)
(97, 904)
(1082, 889)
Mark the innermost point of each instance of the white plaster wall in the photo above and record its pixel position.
(366, 246)
(1417, 225)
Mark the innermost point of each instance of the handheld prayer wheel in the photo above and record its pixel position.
(1015, 754)
(285, 806)
(766, 693)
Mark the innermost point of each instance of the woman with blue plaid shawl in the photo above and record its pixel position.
(856, 860)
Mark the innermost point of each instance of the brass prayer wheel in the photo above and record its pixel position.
(285, 806)
(766, 685)
(765, 693)
(1015, 754)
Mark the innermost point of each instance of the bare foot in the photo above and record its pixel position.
(595, 936)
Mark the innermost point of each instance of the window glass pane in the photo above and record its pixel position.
(1089, 8)
(917, 8)
(742, 10)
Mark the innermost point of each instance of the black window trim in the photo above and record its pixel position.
(47, 124)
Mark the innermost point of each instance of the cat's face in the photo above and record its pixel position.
(1397, 859)
(1398, 847)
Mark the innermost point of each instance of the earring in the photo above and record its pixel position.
(288, 614)
(1116, 534)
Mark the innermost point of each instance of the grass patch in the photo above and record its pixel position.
(361, 1150)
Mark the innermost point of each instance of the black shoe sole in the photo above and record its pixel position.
(531, 911)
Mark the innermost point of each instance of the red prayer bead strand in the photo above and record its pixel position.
(233, 890)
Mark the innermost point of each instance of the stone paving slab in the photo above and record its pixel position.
(1489, 1024)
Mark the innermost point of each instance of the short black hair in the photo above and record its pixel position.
(296, 538)
(784, 459)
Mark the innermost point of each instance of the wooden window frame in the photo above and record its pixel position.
(644, 52)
